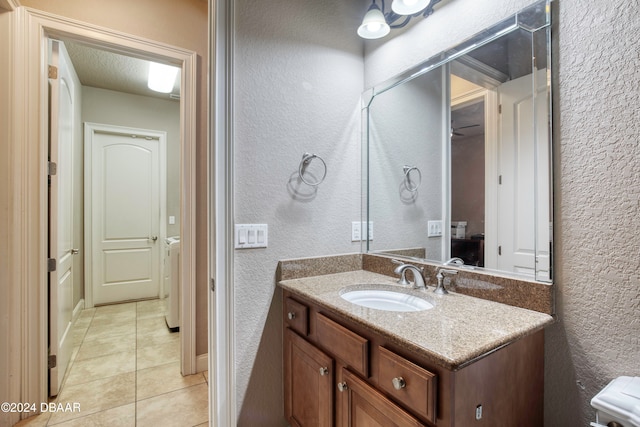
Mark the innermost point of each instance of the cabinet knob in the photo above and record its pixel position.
(342, 386)
(291, 315)
(398, 383)
(324, 371)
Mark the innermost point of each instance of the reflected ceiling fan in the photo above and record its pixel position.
(454, 130)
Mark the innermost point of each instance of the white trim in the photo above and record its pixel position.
(222, 411)
(29, 146)
(89, 130)
(77, 310)
(17, 276)
(491, 136)
(445, 247)
(202, 362)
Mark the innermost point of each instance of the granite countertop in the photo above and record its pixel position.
(457, 331)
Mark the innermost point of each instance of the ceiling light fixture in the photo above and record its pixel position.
(162, 77)
(377, 24)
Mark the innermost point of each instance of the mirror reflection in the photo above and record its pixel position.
(458, 158)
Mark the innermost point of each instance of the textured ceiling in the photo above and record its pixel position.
(108, 70)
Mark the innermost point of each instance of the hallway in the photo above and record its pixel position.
(125, 371)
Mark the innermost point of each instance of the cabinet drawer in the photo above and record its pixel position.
(296, 316)
(363, 405)
(411, 385)
(347, 346)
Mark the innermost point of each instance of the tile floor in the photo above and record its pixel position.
(125, 371)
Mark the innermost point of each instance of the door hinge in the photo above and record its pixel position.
(51, 265)
(52, 362)
(53, 72)
(499, 250)
(213, 285)
(52, 168)
(499, 108)
(499, 179)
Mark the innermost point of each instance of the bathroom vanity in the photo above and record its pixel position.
(464, 362)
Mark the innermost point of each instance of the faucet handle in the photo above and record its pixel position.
(447, 271)
(440, 289)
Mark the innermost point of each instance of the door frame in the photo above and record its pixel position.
(33, 28)
(89, 130)
(490, 99)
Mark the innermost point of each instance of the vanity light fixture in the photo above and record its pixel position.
(161, 77)
(377, 24)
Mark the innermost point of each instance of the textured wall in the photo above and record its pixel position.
(405, 128)
(298, 79)
(597, 183)
(597, 202)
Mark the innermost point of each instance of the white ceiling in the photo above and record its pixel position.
(108, 70)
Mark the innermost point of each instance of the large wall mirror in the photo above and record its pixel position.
(458, 153)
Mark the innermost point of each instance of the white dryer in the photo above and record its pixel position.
(172, 281)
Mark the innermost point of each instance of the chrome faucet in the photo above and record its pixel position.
(418, 280)
(454, 261)
(440, 289)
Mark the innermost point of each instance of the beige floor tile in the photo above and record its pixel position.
(162, 379)
(127, 317)
(83, 321)
(161, 354)
(152, 340)
(78, 334)
(152, 326)
(186, 407)
(108, 330)
(115, 309)
(96, 396)
(153, 308)
(122, 416)
(35, 421)
(87, 313)
(83, 371)
(206, 376)
(108, 344)
(203, 424)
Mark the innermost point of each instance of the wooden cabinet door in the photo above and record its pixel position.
(308, 384)
(364, 406)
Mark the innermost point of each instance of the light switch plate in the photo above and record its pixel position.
(434, 229)
(356, 231)
(249, 236)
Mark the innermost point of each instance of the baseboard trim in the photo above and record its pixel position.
(202, 362)
(77, 310)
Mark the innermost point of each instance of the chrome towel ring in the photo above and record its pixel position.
(407, 178)
(307, 158)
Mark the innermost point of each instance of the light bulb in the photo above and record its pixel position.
(161, 77)
(374, 25)
(408, 7)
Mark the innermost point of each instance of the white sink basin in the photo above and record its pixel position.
(386, 299)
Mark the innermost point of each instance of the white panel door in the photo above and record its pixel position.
(523, 229)
(125, 214)
(61, 215)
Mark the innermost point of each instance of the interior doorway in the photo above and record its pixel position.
(42, 27)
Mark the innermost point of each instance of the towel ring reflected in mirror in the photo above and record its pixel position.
(407, 178)
(307, 158)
